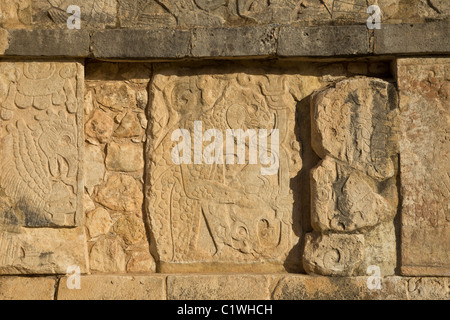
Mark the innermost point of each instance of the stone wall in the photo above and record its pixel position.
(354, 120)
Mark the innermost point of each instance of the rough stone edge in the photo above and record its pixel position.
(279, 286)
(237, 42)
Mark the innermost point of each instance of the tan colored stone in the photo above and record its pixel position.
(115, 287)
(121, 193)
(333, 254)
(223, 217)
(88, 204)
(42, 250)
(130, 228)
(218, 287)
(356, 122)
(98, 222)
(100, 126)
(94, 166)
(15, 13)
(116, 96)
(107, 255)
(141, 262)
(129, 127)
(20, 288)
(124, 157)
(380, 249)
(425, 167)
(4, 40)
(345, 199)
(40, 149)
(428, 288)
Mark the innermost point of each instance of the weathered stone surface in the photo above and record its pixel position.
(130, 228)
(123, 44)
(94, 166)
(357, 122)
(52, 43)
(413, 38)
(98, 222)
(424, 86)
(94, 13)
(110, 287)
(234, 42)
(121, 193)
(301, 287)
(323, 41)
(41, 143)
(345, 199)
(227, 217)
(4, 41)
(125, 157)
(41, 250)
(100, 126)
(130, 125)
(428, 288)
(15, 13)
(218, 287)
(108, 256)
(333, 254)
(116, 96)
(20, 288)
(141, 262)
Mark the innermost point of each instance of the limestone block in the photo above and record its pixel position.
(211, 217)
(121, 193)
(124, 157)
(94, 166)
(345, 199)
(20, 288)
(333, 254)
(41, 142)
(15, 13)
(41, 250)
(41, 179)
(356, 122)
(114, 287)
(100, 126)
(424, 86)
(108, 256)
(98, 222)
(218, 287)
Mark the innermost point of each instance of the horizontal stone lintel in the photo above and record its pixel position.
(250, 41)
(224, 287)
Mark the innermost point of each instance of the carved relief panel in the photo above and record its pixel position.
(40, 142)
(222, 214)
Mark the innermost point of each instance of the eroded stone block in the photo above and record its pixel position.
(222, 216)
(41, 143)
(345, 199)
(333, 254)
(41, 178)
(356, 123)
(424, 86)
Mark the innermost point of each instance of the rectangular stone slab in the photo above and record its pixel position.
(223, 217)
(425, 165)
(41, 178)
